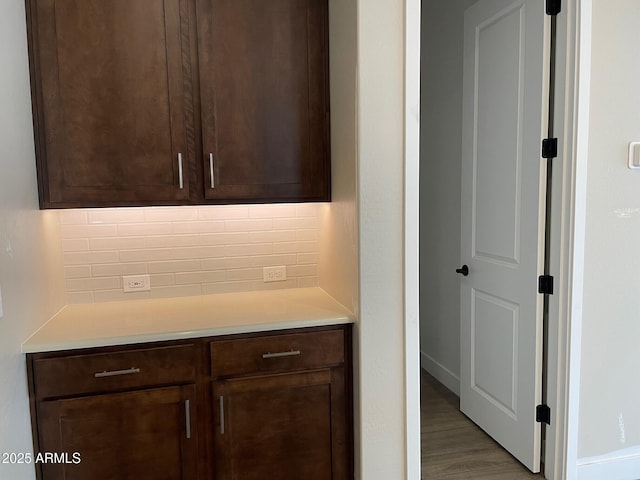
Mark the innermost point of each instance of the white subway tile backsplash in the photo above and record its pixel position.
(72, 217)
(116, 215)
(295, 247)
(146, 255)
(199, 252)
(272, 211)
(295, 223)
(281, 236)
(249, 250)
(225, 238)
(144, 229)
(172, 241)
(307, 210)
(244, 274)
(223, 212)
(199, 277)
(273, 260)
(187, 250)
(75, 245)
(118, 269)
(173, 267)
(260, 225)
(88, 231)
(117, 243)
(90, 258)
(302, 271)
(162, 279)
(221, 263)
(84, 284)
(198, 227)
(80, 271)
(170, 214)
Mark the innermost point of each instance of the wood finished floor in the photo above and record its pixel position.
(454, 448)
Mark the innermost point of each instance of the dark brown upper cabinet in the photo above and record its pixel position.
(264, 90)
(173, 102)
(111, 101)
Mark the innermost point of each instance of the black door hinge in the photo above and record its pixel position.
(545, 284)
(550, 148)
(553, 7)
(543, 414)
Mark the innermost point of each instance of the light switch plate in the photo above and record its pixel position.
(634, 155)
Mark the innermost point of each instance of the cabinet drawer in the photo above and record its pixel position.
(277, 353)
(104, 372)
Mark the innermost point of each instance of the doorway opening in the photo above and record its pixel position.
(497, 361)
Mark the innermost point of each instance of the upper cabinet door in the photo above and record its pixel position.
(112, 101)
(264, 94)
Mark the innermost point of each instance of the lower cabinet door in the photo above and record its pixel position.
(281, 427)
(141, 435)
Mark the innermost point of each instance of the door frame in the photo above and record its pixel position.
(568, 237)
(412, 16)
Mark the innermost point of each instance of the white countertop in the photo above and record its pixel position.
(139, 321)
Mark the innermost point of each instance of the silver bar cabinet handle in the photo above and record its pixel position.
(187, 413)
(180, 171)
(281, 354)
(115, 373)
(221, 415)
(213, 180)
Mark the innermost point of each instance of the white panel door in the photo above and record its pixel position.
(502, 221)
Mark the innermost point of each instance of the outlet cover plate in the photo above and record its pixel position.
(136, 283)
(274, 274)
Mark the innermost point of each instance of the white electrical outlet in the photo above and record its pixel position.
(274, 274)
(136, 283)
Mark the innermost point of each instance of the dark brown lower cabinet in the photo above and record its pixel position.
(141, 435)
(281, 427)
(273, 405)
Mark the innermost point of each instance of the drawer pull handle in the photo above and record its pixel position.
(292, 353)
(221, 415)
(187, 413)
(115, 373)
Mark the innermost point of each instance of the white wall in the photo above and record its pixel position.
(381, 162)
(338, 221)
(610, 391)
(30, 252)
(440, 151)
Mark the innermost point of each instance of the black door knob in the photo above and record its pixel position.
(464, 270)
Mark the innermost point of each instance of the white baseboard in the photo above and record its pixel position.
(620, 465)
(440, 373)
